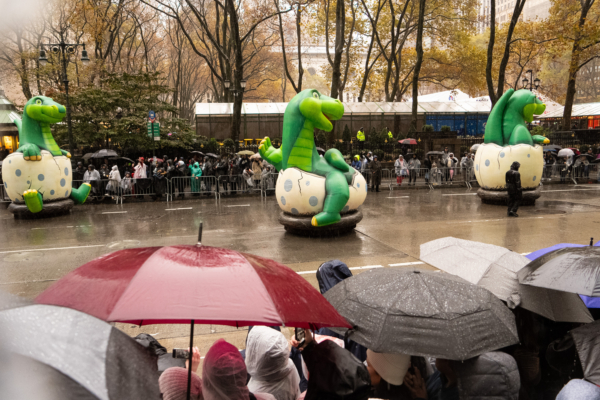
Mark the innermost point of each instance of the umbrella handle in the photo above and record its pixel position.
(189, 383)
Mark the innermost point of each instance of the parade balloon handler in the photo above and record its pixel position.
(513, 186)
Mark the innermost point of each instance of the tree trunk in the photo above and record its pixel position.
(519, 4)
(340, 29)
(419, 47)
(238, 73)
(490, 54)
(574, 66)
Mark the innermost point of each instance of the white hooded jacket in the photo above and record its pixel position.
(269, 365)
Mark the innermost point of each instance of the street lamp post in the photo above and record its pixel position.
(65, 50)
(532, 82)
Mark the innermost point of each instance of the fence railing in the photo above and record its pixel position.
(212, 186)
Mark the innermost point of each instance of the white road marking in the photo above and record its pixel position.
(239, 205)
(53, 248)
(400, 197)
(460, 194)
(570, 190)
(170, 209)
(406, 263)
(114, 212)
(185, 208)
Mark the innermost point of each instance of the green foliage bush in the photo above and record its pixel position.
(445, 128)
(94, 112)
(228, 143)
(427, 128)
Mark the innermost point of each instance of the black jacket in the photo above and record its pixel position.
(335, 373)
(513, 182)
(330, 274)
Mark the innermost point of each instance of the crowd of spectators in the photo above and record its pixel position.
(158, 177)
(328, 366)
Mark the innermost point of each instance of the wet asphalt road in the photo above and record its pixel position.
(35, 253)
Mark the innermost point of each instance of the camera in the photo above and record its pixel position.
(181, 353)
(299, 332)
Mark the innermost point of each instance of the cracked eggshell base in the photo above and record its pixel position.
(303, 193)
(493, 161)
(52, 176)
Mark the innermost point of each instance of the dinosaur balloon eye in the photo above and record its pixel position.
(315, 95)
(38, 102)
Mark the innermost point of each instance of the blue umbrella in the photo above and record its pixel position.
(590, 302)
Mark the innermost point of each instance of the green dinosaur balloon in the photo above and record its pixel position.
(49, 173)
(506, 123)
(306, 111)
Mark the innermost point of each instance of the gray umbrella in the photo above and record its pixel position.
(570, 269)
(587, 342)
(54, 352)
(104, 153)
(423, 314)
(495, 268)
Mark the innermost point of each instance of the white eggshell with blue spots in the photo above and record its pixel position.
(303, 193)
(493, 161)
(52, 176)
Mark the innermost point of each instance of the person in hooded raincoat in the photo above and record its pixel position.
(269, 365)
(329, 274)
(224, 375)
(114, 181)
(513, 187)
(196, 174)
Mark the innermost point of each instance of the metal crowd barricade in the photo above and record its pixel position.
(229, 184)
(269, 182)
(558, 173)
(414, 177)
(585, 173)
(180, 186)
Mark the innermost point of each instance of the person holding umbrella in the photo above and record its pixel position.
(515, 192)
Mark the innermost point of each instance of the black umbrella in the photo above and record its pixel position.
(197, 152)
(104, 153)
(552, 147)
(570, 269)
(422, 313)
(590, 157)
(435, 153)
(57, 352)
(587, 342)
(211, 155)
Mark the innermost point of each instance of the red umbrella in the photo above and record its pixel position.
(575, 151)
(176, 284)
(407, 141)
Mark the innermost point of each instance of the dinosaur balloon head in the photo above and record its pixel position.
(44, 109)
(528, 102)
(320, 109)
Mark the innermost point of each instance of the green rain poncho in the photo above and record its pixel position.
(196, 172)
